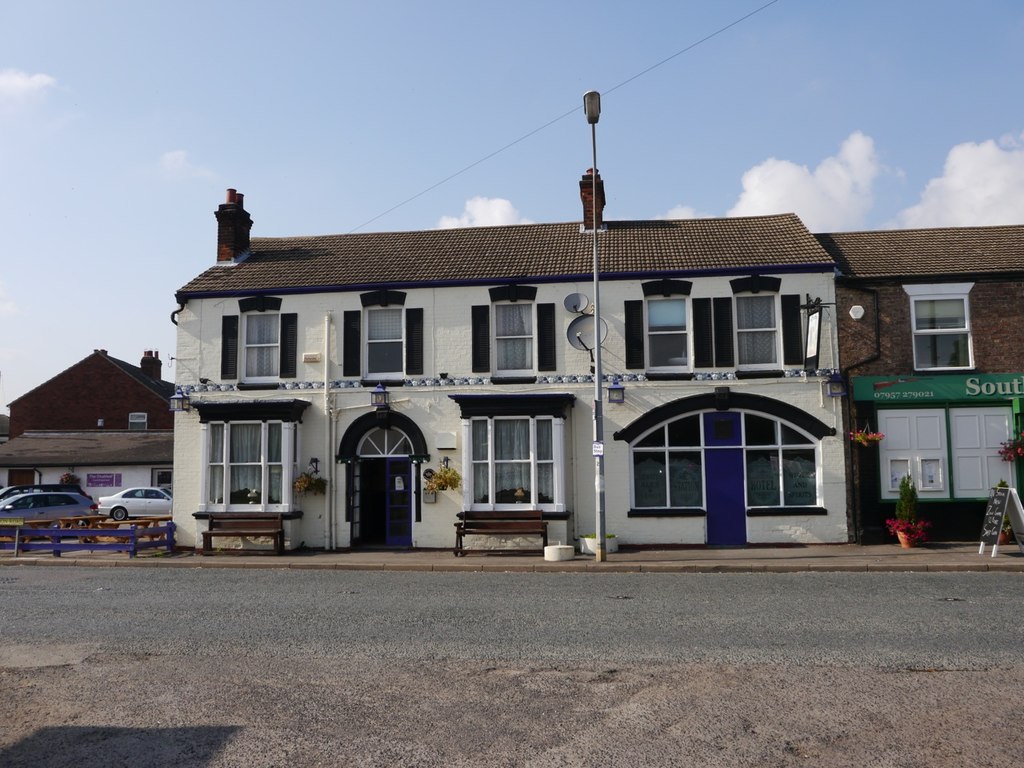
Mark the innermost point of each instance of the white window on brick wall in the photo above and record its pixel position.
(137, 421)
(941, 326)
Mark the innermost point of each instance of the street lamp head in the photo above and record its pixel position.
(592, 106)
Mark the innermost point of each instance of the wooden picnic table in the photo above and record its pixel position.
(80, 521)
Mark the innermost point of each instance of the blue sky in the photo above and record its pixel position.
(122, 123)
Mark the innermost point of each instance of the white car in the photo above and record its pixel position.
(136, 502)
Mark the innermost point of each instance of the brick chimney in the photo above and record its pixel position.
(233, 225)
(587, 197)
(151, 364)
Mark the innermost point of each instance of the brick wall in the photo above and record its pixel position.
(90, 390)
(997, 314)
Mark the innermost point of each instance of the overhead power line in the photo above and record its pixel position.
(564, 115)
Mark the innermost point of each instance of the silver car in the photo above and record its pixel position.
(47, 506)
(136, 502)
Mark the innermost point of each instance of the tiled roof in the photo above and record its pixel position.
(527, 252)
(909, 252)
(94, 448)
(163, 388)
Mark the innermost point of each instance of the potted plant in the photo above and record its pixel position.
(589, 540)
(905, 526)
(70, 478)
(443, 479)
(309, 482)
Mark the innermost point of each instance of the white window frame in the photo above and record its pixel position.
(684, 364)
(219, 499)
(556, 462)
(497, 340)
(368, 343)
(775, 330)
(941, 292)
(275, 345)
(138, 417)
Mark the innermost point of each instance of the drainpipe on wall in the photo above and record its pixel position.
(845, 371)
(329, 540)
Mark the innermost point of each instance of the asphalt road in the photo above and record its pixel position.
(242, 667)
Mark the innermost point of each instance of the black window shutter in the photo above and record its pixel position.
(351, 339)
(634, 328)
(725, 356)
(229, 347)
(289, 344)
(546, 337)
(481, 321)
(792, 333)
(703, 334)
(414, 342)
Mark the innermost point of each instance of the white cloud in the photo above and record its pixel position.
(484, 212)
(19, 86)
(175, 164)
(981, 185)
(835, 195)
(684, 212)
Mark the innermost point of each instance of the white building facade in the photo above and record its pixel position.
(722, 333)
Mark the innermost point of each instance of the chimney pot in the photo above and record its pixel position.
(233, 227)
(151, 365)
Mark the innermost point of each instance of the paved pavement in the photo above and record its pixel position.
(817, 557)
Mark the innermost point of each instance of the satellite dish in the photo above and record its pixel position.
(581, 332)
(576, 302)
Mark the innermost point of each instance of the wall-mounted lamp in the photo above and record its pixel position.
(314, 466)
(834, 385)
(179, 402)
(379, 397)
(616, 392)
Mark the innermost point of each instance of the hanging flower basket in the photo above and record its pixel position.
(1013, 449)
(866, 438)
(70, 478)
(309, 483)
(442, 479)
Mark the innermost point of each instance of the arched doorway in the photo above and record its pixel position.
(383, 457)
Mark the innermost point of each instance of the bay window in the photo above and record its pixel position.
(513, 461)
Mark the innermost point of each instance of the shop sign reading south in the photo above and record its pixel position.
(902, 389)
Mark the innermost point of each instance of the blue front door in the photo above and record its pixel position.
(398, 501)
(724, 475)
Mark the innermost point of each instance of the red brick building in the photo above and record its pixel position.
(103, 420)
(99, 392)
(929, 345)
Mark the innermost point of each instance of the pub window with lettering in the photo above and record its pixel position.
(781, 468)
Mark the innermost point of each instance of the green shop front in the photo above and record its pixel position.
(946, 432)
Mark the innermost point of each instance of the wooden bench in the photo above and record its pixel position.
(238, 524)
(525, 522)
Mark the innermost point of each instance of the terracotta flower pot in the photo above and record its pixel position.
(905, 541)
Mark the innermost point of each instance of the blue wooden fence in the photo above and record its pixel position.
(130, 539)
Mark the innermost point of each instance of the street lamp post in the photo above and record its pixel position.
(592, 108)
